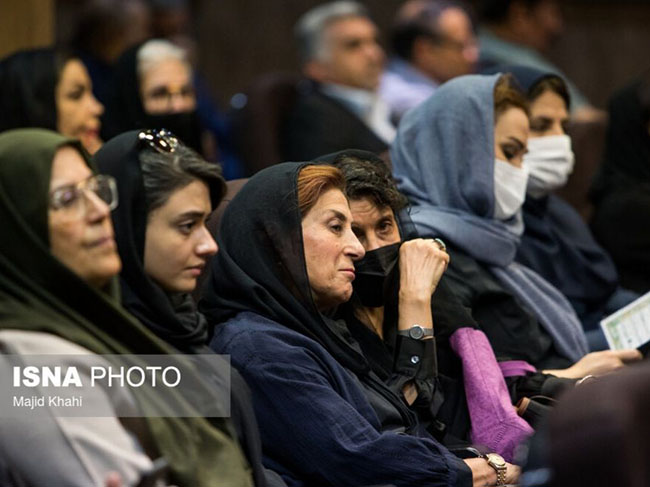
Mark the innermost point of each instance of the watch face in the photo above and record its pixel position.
(496, 460)
(416, 332)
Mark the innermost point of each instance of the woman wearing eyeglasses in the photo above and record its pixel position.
(58, 295)
(167, 191)
(153, 87)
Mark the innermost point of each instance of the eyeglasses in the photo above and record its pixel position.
(73, 197)
(160, 140)
(164, 97)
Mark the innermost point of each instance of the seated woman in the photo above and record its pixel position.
(557, 243)
(458, 158)
(454, 383)
(153, 87)
(167, 191)
(620, 191)
(58, 294)
(52, 90)
(325, 417)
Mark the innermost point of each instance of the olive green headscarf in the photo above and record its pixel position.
(38, 293)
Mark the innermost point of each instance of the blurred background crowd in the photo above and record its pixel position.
(528, 190)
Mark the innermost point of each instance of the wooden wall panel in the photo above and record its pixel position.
(25, 24)
(241, 39)
(604, 46)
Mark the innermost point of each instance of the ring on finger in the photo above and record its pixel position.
(441, 244)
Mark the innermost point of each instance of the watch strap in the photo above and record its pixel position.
(417, 332)
(499, 467)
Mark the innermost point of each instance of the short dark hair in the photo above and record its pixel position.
(406, 31)
(165, 173)
(550, 83)
(496, 11)
(370, 178)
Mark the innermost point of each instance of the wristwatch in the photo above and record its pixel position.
(497, 462)
(416, 332)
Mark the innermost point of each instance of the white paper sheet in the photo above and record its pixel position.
(629, 327)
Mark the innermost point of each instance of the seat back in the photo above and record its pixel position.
(258, 125)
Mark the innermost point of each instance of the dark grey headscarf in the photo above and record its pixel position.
(443, 160)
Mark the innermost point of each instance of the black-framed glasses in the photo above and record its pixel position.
(160, 140)
(73, 197)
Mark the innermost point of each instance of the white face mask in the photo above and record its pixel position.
(550, 161)
(509, 189)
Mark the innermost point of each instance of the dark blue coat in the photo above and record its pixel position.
(318, 427)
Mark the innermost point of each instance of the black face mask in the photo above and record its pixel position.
(184, 125)
(372, 272)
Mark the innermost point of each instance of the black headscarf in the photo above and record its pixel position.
(260, 266)
(125, 111)
(39, 293)
(627, 145)
(28, 81)
(173, 318)
(556, 242)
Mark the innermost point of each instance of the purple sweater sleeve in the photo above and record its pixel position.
(495, 423)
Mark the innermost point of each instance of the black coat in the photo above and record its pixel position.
(513, 331)
(318, 124)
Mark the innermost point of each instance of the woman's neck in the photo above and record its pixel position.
(373, 318)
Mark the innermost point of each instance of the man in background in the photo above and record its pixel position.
(433, 41)
(339, 107)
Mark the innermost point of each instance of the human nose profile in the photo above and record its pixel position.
(96, 208)
(96, 107)
(353, 247)
(207, 245)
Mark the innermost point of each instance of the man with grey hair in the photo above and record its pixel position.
(433, 42)
(339, 107)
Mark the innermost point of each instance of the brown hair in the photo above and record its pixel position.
(550, 83)
(313, 181)
(507, 95)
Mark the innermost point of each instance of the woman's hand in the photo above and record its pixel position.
(598, 363)
(483, 475)
(512, 474)
(114, 480)
(422, 263)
